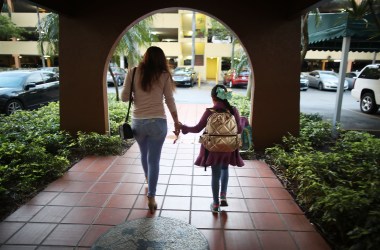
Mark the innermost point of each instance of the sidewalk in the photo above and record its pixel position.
(100, 192)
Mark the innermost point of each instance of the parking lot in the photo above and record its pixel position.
(312, 101)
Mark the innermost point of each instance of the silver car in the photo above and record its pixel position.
(325, 80)
(119, 74)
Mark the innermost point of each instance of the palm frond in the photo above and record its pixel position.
(50, 34)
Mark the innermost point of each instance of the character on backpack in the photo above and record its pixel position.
(226, 132)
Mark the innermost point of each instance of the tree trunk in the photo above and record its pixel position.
(304, 36)
(233, 52)
(122, 61)
(114, 82)
(193, 42)
(249, 86)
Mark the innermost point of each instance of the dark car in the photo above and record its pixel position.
(350, 78)
(232, 79)
(185, 76)
(118, 73)
(21, 89)
(51, 69)
(304, 82)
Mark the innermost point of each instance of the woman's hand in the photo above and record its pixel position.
(178, 127)
(177, 130)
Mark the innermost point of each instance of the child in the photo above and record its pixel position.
(218, 161)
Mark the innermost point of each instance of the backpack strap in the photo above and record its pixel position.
(212, 110)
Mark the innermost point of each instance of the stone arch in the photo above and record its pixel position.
(271, 40)
(112, 49)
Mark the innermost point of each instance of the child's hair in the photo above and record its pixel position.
(214, 94)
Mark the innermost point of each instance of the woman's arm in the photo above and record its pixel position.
(127, 86)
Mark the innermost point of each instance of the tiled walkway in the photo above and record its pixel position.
(100, 192)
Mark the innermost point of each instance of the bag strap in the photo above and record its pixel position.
(213, 110)
(130, 95)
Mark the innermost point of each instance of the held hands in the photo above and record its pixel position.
(177, 130)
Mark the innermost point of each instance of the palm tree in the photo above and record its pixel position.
(220, 31)
(9, 29)
(137, 36)
(49, 35)
(354, 9)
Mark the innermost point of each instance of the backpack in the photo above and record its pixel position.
(221, 133)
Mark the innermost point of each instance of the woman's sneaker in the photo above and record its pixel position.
(223, 200)
(214, 208)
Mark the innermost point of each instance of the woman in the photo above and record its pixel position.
(152, 85)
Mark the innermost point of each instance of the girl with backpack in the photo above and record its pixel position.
(219, 161)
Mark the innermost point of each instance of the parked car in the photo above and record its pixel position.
(185, 76)
(27, 89)
(30, 65)
(231, 79)
(350, 77)
(119, 74)
(216, 39)
(51, 69)
(324, 80)
(304, 82)
(367, 88)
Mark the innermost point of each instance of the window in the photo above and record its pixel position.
(35, 78)
(371, 73)
(49, 77)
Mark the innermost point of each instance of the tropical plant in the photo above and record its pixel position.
(356, 10)
(8, 29)
(139, 35)
(49, 35)
(222, 32)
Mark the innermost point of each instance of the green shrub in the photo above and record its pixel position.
(34, 151)
(242, 103)
(337, 185)
(96, 144)
(117, 113)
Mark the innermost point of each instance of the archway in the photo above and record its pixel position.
(271, 40)
(171, 27)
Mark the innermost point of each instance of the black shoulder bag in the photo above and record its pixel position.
(125, 130)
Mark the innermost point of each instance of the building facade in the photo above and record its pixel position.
(174, 31)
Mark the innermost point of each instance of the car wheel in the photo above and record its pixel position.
(320, 86)
(12, 106)
(119, 82)
(368, 104)
(230, 84)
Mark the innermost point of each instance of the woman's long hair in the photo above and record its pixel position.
(214, 95)
(152, 66)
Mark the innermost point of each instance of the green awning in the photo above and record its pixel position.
(328, 34)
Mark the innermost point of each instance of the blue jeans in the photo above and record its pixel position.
(150, 135)
(219, 174)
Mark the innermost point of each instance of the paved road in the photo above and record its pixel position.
(312, 101)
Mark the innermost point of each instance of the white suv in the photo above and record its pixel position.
(367, 88)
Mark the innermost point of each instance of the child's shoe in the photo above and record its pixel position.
(214, 208)
(223, 200)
